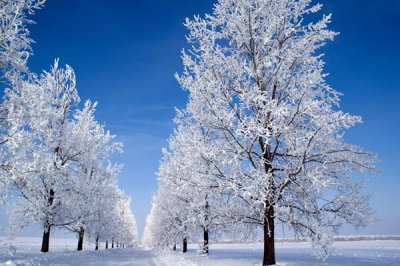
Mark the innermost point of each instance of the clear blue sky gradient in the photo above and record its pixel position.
(125, 54)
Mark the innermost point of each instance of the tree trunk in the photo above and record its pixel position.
(174, 247)
(205, 228)
(97, 243)
(205, 246)
(47, 226)
(112, 242)
(46, 238)
(269, 219)
(80, 240)
(184, 246)
(269, 236)
(106, 244)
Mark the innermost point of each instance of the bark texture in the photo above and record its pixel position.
(80, 239)
(97, 244)
(269, 239)
(47, 226)
(46, 238)
(205, 244)
(184, 245)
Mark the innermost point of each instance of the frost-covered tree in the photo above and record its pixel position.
(42, 150)
(14, 51)
(190, 176)
(60, 160)
(15, 43)
(255, 76)
(127, 233)
(112, 218)
(55, 157)
(167, 223)
(188, 179)
(94, 172)
(148, 235)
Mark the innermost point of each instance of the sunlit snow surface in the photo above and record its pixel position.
(25, 251)
(354, 253)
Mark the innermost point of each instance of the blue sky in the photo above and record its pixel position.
(125, 54)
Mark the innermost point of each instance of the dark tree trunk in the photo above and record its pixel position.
(269, 218)
(205, 246)
(80, 239)
(269, 237)
(47, 226)
(112, 242)
(184, 246)
(97, 244)
(106, 244)
(46, 238)
(205, 228)
(174, 247)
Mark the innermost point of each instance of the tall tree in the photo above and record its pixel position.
(15, 48)
(255, 76)
(55, 158)
(42, 149)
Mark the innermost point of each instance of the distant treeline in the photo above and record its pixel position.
(336, 239)
(367, 237)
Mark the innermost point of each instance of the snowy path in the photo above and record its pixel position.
(25, 251)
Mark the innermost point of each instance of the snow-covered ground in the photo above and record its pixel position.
(354, 253)
(25, 251)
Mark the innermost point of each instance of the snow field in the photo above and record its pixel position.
(25, 251)
(353, 253)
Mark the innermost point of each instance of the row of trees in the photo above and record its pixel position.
(56, 166)
(261, 139)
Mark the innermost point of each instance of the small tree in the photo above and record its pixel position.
(256, 79)
(95, 172)
(166, 223)
(191, 174)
